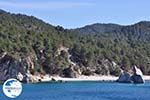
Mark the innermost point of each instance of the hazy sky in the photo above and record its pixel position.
(76, 13)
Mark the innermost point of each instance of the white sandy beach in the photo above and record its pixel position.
(85, 78)
(146, 78)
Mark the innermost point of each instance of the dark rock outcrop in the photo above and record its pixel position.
(13, 68)
(124, 78)
(136, 78)
(9, 68)
(70, 72)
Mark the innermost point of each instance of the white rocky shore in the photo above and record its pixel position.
(146, 78)
(48, 78)
(87, 78)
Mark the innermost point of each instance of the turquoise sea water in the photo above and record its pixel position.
(83, 91)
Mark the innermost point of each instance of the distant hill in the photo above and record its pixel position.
(31, 45)
(138, 31)
(98, 28)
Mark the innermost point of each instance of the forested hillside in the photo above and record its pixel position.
(94, 49)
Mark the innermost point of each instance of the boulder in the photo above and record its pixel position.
(137, 77)
(32, 78)
(124, 78)
(20, 77)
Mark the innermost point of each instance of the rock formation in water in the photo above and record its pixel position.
(136, 78)
(124, 77)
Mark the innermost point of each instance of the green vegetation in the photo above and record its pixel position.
(21, 35)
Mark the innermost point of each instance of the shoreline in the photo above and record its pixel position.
(146, 77)
(85, 78)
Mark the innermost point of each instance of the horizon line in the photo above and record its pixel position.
(81, 26)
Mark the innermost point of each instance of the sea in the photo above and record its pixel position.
(83, 91)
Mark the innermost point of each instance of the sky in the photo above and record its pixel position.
(78, 13)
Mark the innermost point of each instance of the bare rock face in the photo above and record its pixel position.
(20, 77)
(137, 76)
(13, 68)
(9, 67)
(71, 72)
(137, 71)
(107, 67)
(32, 78)
(29, 62)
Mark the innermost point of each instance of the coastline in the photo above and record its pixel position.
(47, 78)
(146, 78)
(87, 78)
(84, 78)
